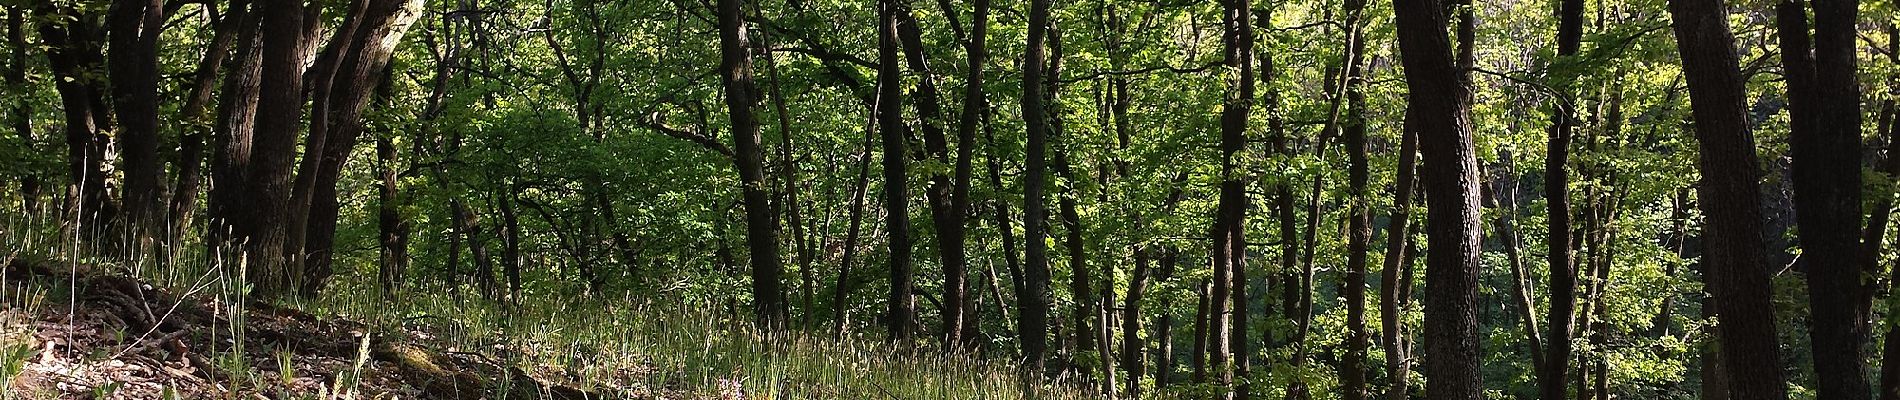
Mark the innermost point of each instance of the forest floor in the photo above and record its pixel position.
(66, 332)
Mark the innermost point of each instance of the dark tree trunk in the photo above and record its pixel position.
(133, 27)
(1230, 243)
(768, 293)
(1391, 300)
(1551, 372)
(901, 311)
(22, 119)
(392, 225)
(237, 113)
(1359, 213)
(1824, 110)
(841, 292)
(947, 218)
(1736, 270)
(360, 71)
(975, 106)
(1035, 301)
(72, 49)
(1439, 94)
(190, 169)
(261, 220)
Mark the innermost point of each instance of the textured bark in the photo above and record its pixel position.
(1035, 300)
(261, 221)
(1359, 212)
(360, 72)
(132, 28)
(901, 305)
(975, 106)
(1230, 244)
(1824, 113)
(768, 293)
(237, 113)
(1735, 267)
(191, 157)
(940, 195)
(73, 47)
(1439, 94)
(1552, 370)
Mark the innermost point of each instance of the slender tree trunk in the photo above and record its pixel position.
(1736, 270)
(1875, 236)
(975, 106)
(1036, 301)
(1506, 197)
(768, 293)
(184, 199)
(1391, 302)
(394, 228)
(1359, 213)
(1552, 370)
(901, 305)
(840, 296)
(939, 193)
(1202, 315)
(22, 121)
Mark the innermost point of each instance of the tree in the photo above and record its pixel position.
(901, 305)
(1733, 262)
(1439, 96)
(1035, 303)
(1824, 109)
(735, 73)
(133, 27)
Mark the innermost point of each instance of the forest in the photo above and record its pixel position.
(970, 199)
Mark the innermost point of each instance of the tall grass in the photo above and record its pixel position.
(628, 347)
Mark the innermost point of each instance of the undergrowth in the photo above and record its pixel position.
(620, 348)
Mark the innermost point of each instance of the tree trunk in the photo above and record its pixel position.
(1359, 212)
(1391, 302)
(768, 293)
(72, 49)
(393, 227)
(841, 292)
(261, 221)
(133, 27)
(1552, 370)
(947, 218)
(1440, 97)
(22, 121)
(1036, 301)
(1737, 272)
(901, 311)
(1824, 110)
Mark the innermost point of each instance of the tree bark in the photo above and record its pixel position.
(901, 304)
(1391, 302)
(768, 293)
(72, 49)
(1036, 301)
(133, 27)
(1359, 212)
(1439, 94)
(1559, 255)
(948, 219)
(1736, 270)
(1824, 110)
